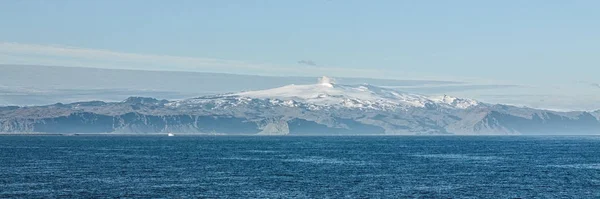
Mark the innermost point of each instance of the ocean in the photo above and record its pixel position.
(86, 166)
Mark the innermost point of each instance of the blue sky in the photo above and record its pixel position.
(538, 43)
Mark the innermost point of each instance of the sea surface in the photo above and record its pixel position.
(299, 167)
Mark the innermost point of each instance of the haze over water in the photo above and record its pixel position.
(299, 167)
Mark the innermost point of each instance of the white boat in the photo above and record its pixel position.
(170, 134)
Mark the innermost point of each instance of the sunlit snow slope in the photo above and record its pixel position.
(327, 93)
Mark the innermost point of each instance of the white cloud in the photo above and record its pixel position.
(190, 63)
(35, 54)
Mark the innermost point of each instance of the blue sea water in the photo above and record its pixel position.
(299, 167)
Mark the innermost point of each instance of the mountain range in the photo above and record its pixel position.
(324, 108)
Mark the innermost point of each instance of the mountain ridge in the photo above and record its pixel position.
(324, 108)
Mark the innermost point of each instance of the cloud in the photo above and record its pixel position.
(97, 55)
(307, 62)
(36, 54)
(587, 83)
(443, 88)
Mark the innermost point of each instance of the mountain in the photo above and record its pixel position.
(324, 108)
(26, 85)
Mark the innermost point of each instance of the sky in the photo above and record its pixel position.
(548, 47)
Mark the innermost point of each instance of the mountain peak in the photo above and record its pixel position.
(327, 93)
(455, 102)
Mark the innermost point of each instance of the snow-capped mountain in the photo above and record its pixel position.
(315, 109)
(326, 94)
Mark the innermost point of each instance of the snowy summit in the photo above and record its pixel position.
(327, 93)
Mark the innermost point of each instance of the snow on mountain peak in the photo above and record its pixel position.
(455, 102)
(326, 93)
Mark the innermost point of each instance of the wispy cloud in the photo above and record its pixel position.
(307, 62)
(35, 54)
(442, 88)
(589, 83)
(92, 55)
